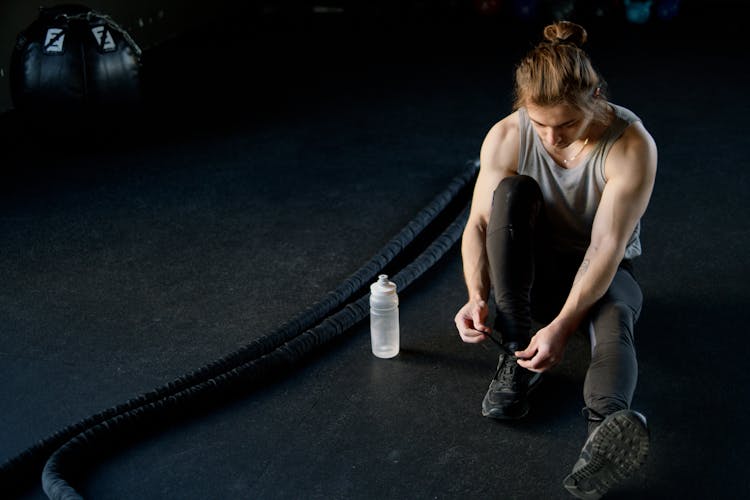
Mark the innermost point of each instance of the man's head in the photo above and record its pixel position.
(557, 72)
(559, 125)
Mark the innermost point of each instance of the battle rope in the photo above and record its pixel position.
(72, 457)
(254, 359)
(24, 468)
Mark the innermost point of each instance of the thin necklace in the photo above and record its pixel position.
(576, 155)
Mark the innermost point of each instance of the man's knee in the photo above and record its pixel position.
(613, 322)
(518, 188)
(518, 196)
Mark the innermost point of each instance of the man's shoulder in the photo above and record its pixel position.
(634, 153)
(500, 146)
(635, 139)
(503, 135)
(505, 129)
(624, 113)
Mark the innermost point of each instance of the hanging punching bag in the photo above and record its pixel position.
(72, 57)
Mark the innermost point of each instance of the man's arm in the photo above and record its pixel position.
(498, 159)
(631, 171)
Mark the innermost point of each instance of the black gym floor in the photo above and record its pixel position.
(137, 250)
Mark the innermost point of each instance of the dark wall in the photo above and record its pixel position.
(346, 28)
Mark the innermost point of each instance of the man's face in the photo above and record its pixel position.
(560, 125)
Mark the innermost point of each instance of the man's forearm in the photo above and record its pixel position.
(590, 284)
(474, 257)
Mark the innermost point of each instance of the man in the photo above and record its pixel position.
(554, 225)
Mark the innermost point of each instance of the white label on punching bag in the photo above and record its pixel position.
(103, 38)
(53, 43)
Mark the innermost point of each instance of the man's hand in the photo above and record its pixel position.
(470, 321)
(545, 349)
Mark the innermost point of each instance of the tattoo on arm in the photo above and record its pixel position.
(582, 270)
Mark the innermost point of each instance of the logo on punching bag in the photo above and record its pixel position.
(53, 42)
(104, 38)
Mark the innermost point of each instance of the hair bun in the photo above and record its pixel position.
(565, 32)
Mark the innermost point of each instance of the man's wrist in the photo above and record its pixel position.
(564, 326)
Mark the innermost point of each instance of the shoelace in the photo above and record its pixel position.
(506, 371)
(502, 346)
(506, 375)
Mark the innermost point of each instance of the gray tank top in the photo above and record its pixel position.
(572, 195)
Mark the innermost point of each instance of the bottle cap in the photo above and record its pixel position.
(383, 286)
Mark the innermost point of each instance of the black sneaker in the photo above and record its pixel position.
(613, 451)
(506, 398)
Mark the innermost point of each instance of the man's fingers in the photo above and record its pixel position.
(539, 362)
(478, 315)
(535, 362)
(469, 331)
(471, 335)
(482, 327)
(529, 364)
(527, 353)
(474, 338)
(470, 322)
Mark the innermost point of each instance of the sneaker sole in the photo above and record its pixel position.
(619, 449)
(498, 414)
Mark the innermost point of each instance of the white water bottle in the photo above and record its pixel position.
(384, 330)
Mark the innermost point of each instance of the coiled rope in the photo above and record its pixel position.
(68, 450)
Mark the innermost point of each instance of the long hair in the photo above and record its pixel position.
(558, 71)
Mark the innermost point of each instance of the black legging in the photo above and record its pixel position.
(529, 280)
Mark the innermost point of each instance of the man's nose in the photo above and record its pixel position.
(552, 137)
